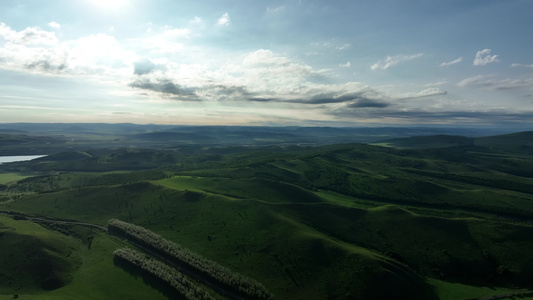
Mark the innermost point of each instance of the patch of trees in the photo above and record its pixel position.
(177, 254)
(166, 274)
(328, 177)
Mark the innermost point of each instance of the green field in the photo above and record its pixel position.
(9, 178)
(350, 221)
(38, 263)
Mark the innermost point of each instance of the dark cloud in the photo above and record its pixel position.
(165, 86)
(362, 103)
(47, 66)
(356, 99)
(438, 117)
(146, 66)
(220, 92)
(179, 92)
(333, 98)
(264, 99)
(228, 90)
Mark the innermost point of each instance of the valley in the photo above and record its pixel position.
(434, 216)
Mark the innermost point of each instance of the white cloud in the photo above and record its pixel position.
(513, 83)
(260, 76)
(522, 65)
(453, 62)
(54, 25)
(483, 57)
(390, 61)
(332, 44)
(39, 51)
(424, 93)
(175, 33)
(488, 82)
(346, 65)
(196, 20)
(275, 10)
(436, 83)
(28, 36)
(264, 57)
(479, 80)
(343, 47)
(224, 20)
(167, 42)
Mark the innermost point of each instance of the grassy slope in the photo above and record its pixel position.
(292, 245)
(7, 178)
(250, 237)
(32, 257)
(290, 228)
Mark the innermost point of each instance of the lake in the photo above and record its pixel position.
(8, 159)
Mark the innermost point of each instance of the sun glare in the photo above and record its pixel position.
(109, 4)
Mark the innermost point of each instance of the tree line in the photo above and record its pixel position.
(183, 256)
(168, 275)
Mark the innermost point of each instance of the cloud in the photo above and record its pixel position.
(196, 20)
(40, 51)
(54, 25)
(343, 47)
(487, 81)
(28, 36)
(346, 65)
(264, 57)
(176, 33)
(431, 115)
(146, 66)
(453, 62)
(479, 80)
(168, 41)
(390, 61)
(424, 93)
(269, 69)
(275, 10)
(165, 86)
(522, 65)
(436, 83)
(347, 96)
(224, 20)
(169, 88)
(483, 57)
(513, 83)
(357, 97)
(261, 76)
(368, 103)
(332, 44)
(48, 66)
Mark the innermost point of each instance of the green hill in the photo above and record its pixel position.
(349, 221)
(34, 259)
(433, 141)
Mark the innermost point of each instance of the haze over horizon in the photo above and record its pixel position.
(303, 63)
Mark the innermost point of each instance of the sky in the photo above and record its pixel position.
(275, 63)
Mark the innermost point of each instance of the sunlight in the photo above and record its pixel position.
(109, 4)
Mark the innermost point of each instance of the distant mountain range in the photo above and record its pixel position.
(47, 138)
(514, 142)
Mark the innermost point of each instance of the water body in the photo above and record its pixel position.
(8, 159)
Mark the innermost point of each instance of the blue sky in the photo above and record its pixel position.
(307, 63)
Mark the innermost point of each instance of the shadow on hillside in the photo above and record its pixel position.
(148, 279)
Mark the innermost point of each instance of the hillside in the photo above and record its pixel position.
(344, 221)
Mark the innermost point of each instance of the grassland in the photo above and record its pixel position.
(38, 263)
(349, 221)
(7, 178)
